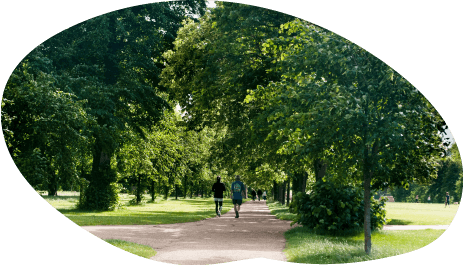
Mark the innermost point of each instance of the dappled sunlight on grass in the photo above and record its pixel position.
(159, 212)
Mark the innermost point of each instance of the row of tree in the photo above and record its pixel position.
(87, 104)
(278, 100)
(297, 100)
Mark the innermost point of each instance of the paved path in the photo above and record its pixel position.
(256, 234)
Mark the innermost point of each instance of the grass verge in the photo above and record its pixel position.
(304, 246)
(137, 249)
(158, 212)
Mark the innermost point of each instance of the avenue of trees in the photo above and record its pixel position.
(295, 99)
(277, 100)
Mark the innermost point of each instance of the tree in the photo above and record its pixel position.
(339, 103)
(44, 126)
(112, 63)
(213, 65)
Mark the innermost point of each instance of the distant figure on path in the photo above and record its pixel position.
(447, 199)
(253, 194)
(429, 199)
(237, 193)
(264, 195)
(260, 193)
(417, 198)
(218, 189)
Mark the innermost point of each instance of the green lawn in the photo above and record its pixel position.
(137, 249)
(400, 213)
(161, 212)
(303, 246)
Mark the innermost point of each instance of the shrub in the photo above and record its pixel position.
(336, 209)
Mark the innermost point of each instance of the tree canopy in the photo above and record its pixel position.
(295, 96)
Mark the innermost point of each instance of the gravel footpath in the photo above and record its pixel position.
(256, 234)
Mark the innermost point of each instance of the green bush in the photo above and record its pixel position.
(336, 209)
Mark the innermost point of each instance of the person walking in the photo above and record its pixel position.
(417, 198)
(218, 189)
(447, 199)
(253, 194)
(237, 193)
(264, 195)
(260, 193)
(429, 199)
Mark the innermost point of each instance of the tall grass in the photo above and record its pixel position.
(304, 246)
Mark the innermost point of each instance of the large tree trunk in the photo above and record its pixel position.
(53, 185)
(288, 192)
(367, 212)
(139, 189)
(185, 187)
(100, 195)
(320, 168)
(152, 190)
(299, 182)
(274, 190)
(191, 190)
(282, 193)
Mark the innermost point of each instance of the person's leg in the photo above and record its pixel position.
(216, 202)
(220, 206)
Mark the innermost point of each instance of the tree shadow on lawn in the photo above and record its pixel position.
(398, 222)
(60, 197)
(138, 218)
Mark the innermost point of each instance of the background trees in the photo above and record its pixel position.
(109, 65)
(210, 70)
(44, 127)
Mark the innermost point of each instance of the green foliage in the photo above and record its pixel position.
(77, 98)
(100, 195)
(332, 208)
(137, 249)
(44, 126)
(213, 65)
(448, 179)
(459, 186)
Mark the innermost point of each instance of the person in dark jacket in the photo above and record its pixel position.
(218, 189)
(253, 194)
(260, 193)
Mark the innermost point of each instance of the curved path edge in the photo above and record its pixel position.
(255, 234)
